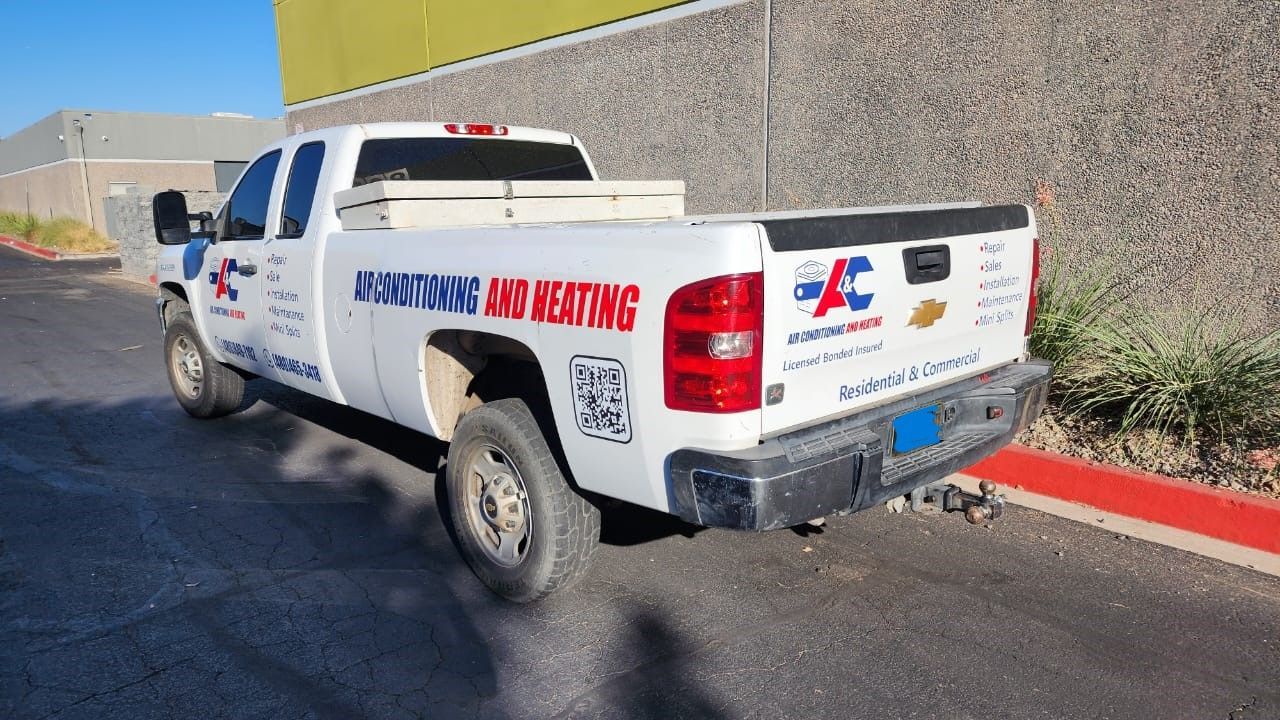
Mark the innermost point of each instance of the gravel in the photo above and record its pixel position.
(1250, 465)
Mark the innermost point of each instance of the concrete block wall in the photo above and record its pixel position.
(1153, 126)
(129, 223)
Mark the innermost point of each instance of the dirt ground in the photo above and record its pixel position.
(1250, 465)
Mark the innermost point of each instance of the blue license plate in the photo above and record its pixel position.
(917, 429)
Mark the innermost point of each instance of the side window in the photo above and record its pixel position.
(247, 208)
(300, 192)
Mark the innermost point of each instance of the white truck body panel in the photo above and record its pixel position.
(388, 335)
(894, 338)
(827, 212)
(346, 310)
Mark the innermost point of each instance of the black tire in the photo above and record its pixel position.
(220, 390)
(563, 528)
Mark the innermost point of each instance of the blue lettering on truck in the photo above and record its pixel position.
(232, 347)
(425, 291)
(294, 367)
(871, 385)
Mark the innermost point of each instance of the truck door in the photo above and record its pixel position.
(288, 258)
(232, 307)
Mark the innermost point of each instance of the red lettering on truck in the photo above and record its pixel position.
(606, 306)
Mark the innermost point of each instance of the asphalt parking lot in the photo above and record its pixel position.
(289, 562)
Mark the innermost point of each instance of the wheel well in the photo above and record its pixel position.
(175, 300)
(465, 369)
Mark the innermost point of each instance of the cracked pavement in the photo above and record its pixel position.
(289, 561)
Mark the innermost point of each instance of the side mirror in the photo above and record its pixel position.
(169, 213)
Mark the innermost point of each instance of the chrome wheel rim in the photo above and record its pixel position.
(497, 506)
(186, 366)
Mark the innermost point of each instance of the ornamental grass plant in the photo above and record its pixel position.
(72, 236)
(62, 234)
(19, 225)
(1184, 377)
(1203, 379)
(1072, 307)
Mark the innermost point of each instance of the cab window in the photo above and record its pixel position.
(246, 210)
(300, 191)
(467, 159)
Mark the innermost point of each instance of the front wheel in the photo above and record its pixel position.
(520, 526)
(204, 387)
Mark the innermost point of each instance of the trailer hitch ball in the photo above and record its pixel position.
(982, 508)
(987, 507)
(977, 514)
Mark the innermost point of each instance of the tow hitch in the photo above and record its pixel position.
(946, 497)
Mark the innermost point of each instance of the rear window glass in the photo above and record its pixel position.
(467, 159)
(300, 193)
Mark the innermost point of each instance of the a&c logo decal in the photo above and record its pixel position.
(222, 279)
(818, 291)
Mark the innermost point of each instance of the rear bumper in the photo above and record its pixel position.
(844, 466)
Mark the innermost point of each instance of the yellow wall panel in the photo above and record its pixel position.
(327, 46)
(462, 30)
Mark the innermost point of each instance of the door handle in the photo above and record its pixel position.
(931, 260)
(927, 264)
(247, 269)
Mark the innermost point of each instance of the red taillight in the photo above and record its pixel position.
(1035, 286)
(475, 129)
(712, 345)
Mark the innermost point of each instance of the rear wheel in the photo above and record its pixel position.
(520, 526)
(204, 387)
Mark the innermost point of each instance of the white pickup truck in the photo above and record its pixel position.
(575, 339)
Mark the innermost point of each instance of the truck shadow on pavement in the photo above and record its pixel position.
(158, 566)
(622, 524)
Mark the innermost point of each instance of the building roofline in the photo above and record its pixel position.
(149, 113)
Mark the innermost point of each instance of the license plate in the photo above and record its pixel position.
(917, 429)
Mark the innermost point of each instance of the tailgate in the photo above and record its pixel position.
(863, 309)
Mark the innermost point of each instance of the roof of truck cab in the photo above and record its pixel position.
(436, 129)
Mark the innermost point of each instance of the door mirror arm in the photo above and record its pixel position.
(207, 229)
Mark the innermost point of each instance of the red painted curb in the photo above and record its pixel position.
(1243, 519)
(28, 248)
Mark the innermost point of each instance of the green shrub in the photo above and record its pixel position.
(64, 234)
(1072, 306)
(20, 225)
(1219, 381)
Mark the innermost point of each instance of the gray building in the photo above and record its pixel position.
(67, 163)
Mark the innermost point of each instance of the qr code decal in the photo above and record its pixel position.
(600, 398)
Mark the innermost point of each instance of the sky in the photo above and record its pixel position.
(175, 56)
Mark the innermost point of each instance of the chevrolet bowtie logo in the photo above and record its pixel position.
(927, 313)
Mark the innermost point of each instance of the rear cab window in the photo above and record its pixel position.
(300, 189)
(467, 159)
